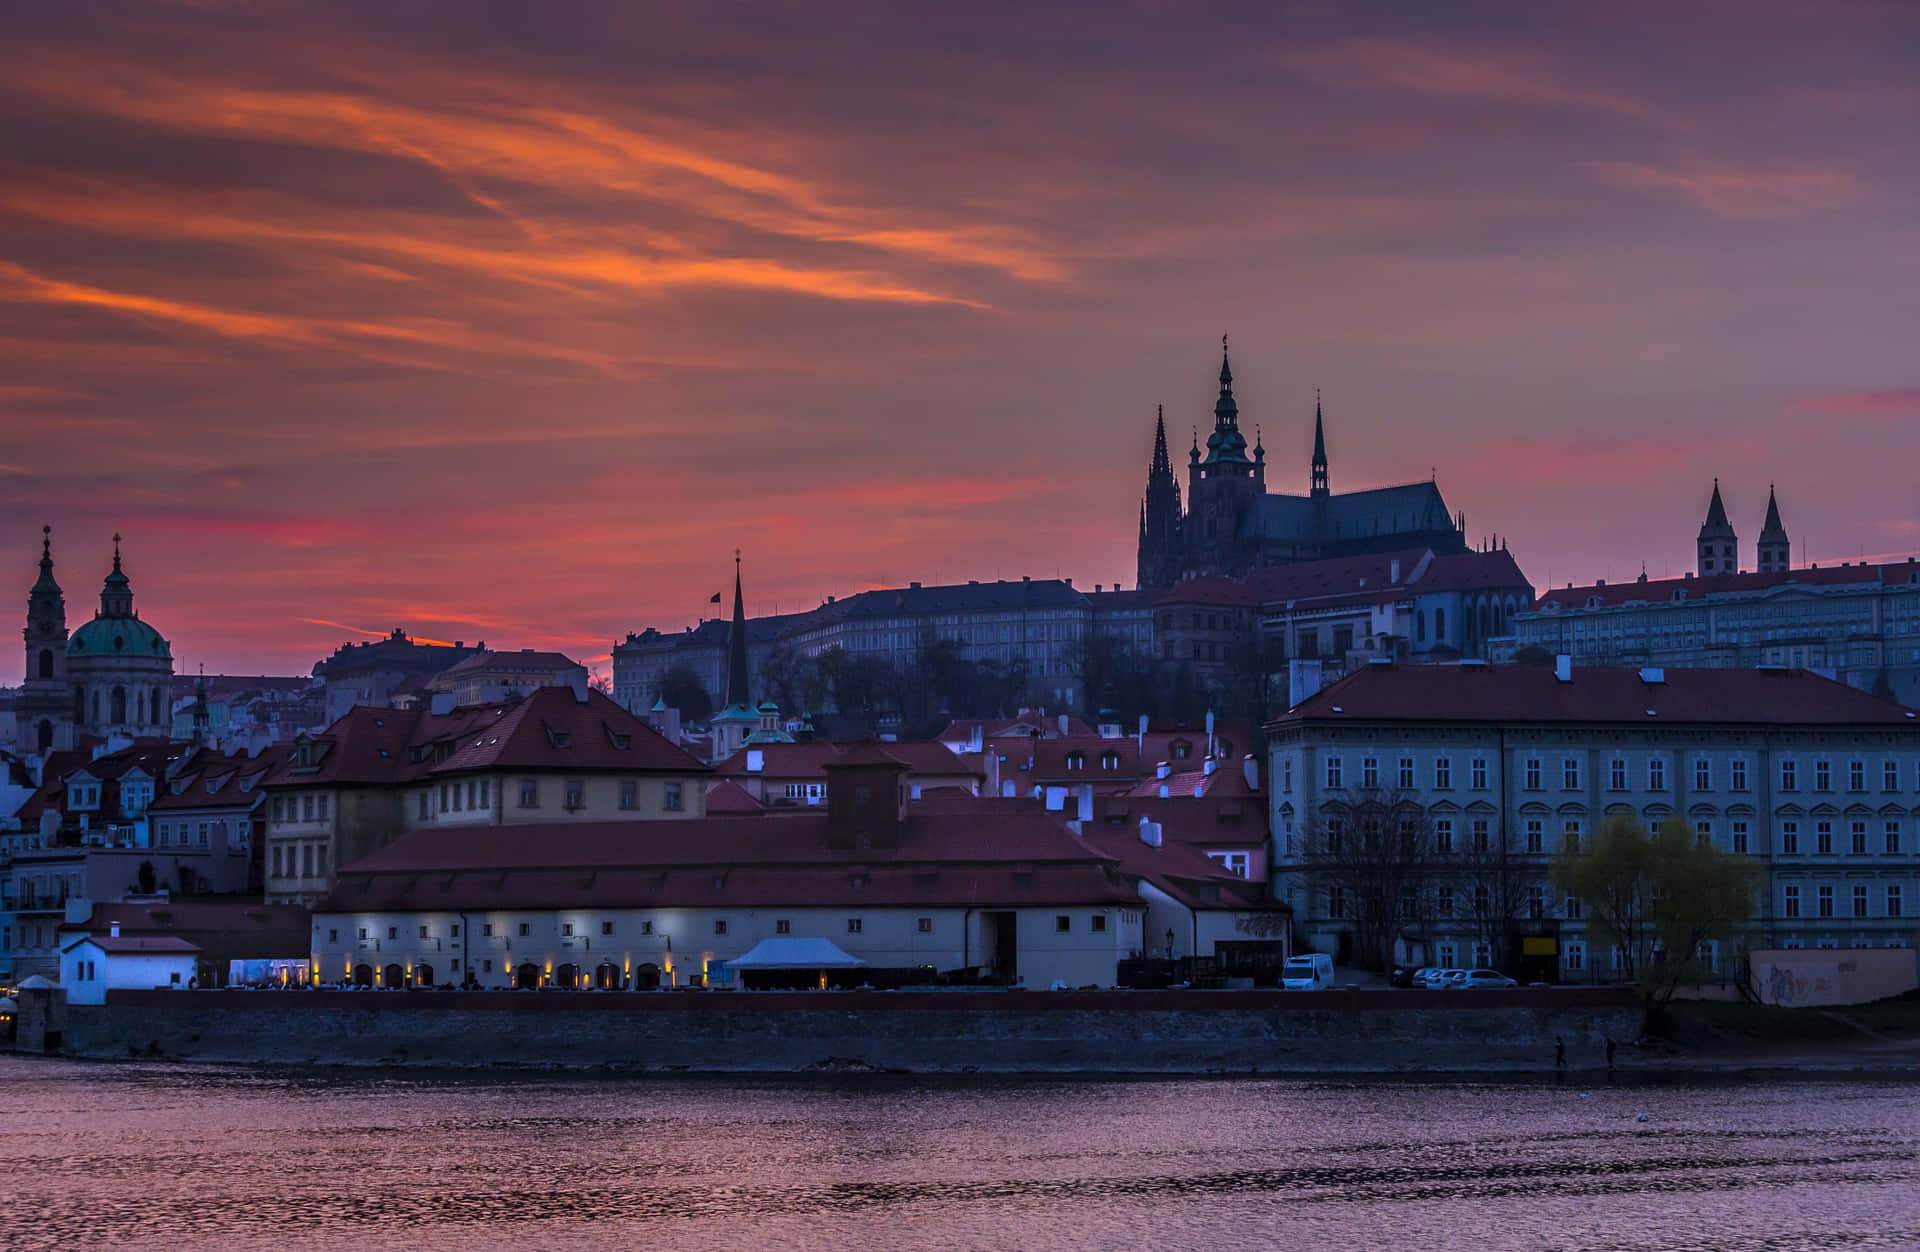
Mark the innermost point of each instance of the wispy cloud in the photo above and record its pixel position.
(1742, 194)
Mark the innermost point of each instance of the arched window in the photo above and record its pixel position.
(154, 703)
(46, 662)
(46, 735)
(1440, 625)
(140, 707)
(118, 705)
(96, 706)
(1420, 626)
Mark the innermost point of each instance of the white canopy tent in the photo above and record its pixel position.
(795, 954)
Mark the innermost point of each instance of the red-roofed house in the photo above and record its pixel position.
(488, 677)
(555, 754)
(1815, 783)
(965, 888)
(794, 775)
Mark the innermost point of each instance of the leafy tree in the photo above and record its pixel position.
(1533, 655)
(144, 877)
(682, 689)
(1657, 898)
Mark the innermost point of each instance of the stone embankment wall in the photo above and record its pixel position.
(922, 1032)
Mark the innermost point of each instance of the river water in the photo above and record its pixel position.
(163, 1156)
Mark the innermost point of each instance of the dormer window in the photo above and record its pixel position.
(1180, 749)
(1076, 760)
(1109, 760)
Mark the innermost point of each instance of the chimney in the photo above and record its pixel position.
(975, 739)
(1140, 741)
(1251, 768)
(1056, 799)
(442, 703)
(756, 761)
(1086, 803)
(1209, 765)
(1063, 725)
(1393, 570)
(113, 929)
(1149, 832)
(1563, 668)
(1163, 791)
(578, 681)
(1162, 769)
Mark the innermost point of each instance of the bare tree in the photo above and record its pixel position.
(1489, 890)
(1372, 853)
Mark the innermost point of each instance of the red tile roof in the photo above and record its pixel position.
(547, 728)
(1044, 761)
(137, 944)
(729, 797)
(210, 780)
(223, 929)
(809, 759)
(1662, 590)
(508, 662)
(1597, 694)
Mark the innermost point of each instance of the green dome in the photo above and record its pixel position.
(118, 636)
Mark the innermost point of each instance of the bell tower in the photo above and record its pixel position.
(45, 705)
(1717, 547)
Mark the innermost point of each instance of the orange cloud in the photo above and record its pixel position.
(1742, 195)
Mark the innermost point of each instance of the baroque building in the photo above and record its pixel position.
(120, 667)
(44, 711)
(1233, 524)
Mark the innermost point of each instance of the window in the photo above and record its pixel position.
(1739, 836)
(1370, 773)
(1856, 775)
(1825, 892)
(1792, 901)
(1443, 899)
(782, 926)
(1062, 923)
(1892, 832)
(1703, 834)
(1702, 774)
(454, 932)
(525, 930)
(324, 801)
(1335, 780)
(1737, 771)
(486, 966)
(278, 872)
(423, 932)
(449, 797)
(306, 808)
(1890, 776)
(529, 793)
(1443, 773)
(1286, 776)
(924, 925)
(1406, 773)
(423, 807)
(393, 932)
(1576, 957)
(1570, 773)
(1893, 900)
(1860, 900)
(363, 932)
(1789, 776)
(646, 927)
(1443, 834)
(1823, 838)
(1657, 774)
(1822, 776)
(279, 808)
(486, 792)
(566, 929)
(1536, 835)
(1097, 923)
(1570, 834)
(673, 803)
(1536, 902)
(1790, 838)
(1533, 773)
(720, 926)
(486, 930)
(853, 925)
(1617, 774)
(1858, 841)
(306, 862)
(606, 928)
(1573, 908)
(629, 794)
(576, 795)
(1336, 901)
(1479, 773)
(1482, 835)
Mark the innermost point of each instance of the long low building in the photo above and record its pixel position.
(971, 892)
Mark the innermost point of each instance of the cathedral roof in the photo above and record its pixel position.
(1773, 530)
(1410, 509)
(118, 636)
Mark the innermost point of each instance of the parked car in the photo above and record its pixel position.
(1402, 976)
(1446, 979)
(1488, 978)
(1311, 971)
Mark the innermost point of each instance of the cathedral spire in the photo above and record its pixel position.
(1775, 549)
(1161, 462)
(116, 594)
(46, 584)
(1716, 546)
(1320, 489)
(737, 645)
(1226, 412)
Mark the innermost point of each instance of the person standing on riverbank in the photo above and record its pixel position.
(1559, 1052)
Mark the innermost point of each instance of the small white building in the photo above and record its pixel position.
(92, 966)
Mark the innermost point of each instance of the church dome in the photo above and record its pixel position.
(118, 637)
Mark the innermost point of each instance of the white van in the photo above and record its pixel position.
(1310, 971)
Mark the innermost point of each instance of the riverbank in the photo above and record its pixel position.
(1880, 1037)
(1113, 1032)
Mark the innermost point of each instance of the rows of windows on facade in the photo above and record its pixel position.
(108, 679)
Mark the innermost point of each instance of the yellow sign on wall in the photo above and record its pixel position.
(1539, 947)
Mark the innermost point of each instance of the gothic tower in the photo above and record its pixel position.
(1776, 550)
(45, 707)
(1717, 547)
(1159, 557)
(1318, 487)
(1223, 491)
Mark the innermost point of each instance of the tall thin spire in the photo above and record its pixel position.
(46, 584)
(1160, 459)
(1775, 550)
(737, 645)
(1319, 489)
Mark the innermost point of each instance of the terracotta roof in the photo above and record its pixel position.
(1471, 571)
(1662, 590)
(509, 662)
(224, 929)
(210, 780)
(1199, 821)
(729, 797)
(809, 759)
(547, 728)
(1045, 761)
(1183, 872)
(1597, 694)
(1000, 728)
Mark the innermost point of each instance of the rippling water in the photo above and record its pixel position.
(170, 1156)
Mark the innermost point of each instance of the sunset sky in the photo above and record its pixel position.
(510, 322)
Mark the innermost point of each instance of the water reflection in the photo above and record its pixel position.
(178, 1156)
